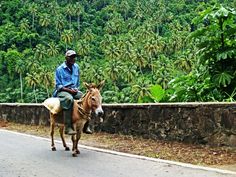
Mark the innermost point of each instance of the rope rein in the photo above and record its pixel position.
(82, 112)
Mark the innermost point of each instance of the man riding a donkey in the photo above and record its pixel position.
(69, 103)
(67, 79)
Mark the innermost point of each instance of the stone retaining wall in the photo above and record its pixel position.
(207, 123)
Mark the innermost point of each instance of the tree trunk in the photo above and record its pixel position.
(33, 22)
(21, 88)
(47, 92)
(222, 33)
(35, 97)
(78, 22)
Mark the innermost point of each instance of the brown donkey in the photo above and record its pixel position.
(82, 109)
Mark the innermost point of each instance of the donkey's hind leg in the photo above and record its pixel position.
(61, 130)
(52, 126)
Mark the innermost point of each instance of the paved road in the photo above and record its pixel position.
(29, 156)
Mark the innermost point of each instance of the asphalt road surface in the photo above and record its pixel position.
(30, 156)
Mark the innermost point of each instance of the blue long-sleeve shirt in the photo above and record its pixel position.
(65, 78)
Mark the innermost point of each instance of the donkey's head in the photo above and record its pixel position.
(94, 98)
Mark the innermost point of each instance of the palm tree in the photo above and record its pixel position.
(70, 11)
(33, 8)
(78, 11)
(113, 70)
(59, 23)
(93, 74)
(106, 41)
(129, 72)
(24, 24)
(24, 27)
(140, 59)
(45, 21)
(98, 74)
(143, 34)
(112, 52)
(53, 49)
(138, 11)
(54, 8)
(163, 77)
(46, 77)
(151, 48)
(87, 74)
(110, 27)
(32, 80)
(20, 68)
(162, 74)
(32, 65)
(40, 52)
(184, 63)
(67, 37)
(130, 41)
(83, 48)
(124, 6)
(140, 89)
(126, 54)
(88, 35)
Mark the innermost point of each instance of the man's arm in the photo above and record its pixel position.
(60, 86)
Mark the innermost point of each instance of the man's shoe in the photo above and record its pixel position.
(87, 129)
(70, 131)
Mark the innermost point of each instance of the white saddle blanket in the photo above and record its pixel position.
(53, 105)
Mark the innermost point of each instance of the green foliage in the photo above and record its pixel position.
(141, 48)
(191, 87)
(215, 39)
(223, 79)
(157, 93)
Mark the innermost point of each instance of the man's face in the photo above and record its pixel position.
(71, 60)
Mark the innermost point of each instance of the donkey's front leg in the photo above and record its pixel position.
(52, 127)
(73, 138)
(78, 135)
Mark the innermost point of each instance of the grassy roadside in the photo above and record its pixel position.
(220, 157)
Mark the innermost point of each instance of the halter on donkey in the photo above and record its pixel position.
(82, 109)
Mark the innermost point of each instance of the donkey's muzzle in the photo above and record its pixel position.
(99, 112)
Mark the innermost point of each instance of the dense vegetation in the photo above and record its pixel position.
(146, 50)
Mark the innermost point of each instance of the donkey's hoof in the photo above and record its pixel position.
(74, 155)
(54, 149)
(77, 152)
(67, 149)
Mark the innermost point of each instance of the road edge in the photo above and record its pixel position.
(130, 155)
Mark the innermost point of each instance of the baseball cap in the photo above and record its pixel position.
(70, 53)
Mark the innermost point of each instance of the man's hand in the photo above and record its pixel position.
(71, 91)
(74, 91)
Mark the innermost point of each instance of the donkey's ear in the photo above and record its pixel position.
(100, 85)
(86, 85)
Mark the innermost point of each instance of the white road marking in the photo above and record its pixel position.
(129, 155)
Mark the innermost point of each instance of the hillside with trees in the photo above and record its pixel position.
(145, 50)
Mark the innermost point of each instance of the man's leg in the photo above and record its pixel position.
(66, 101)
(68, 122)
(78, 95)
